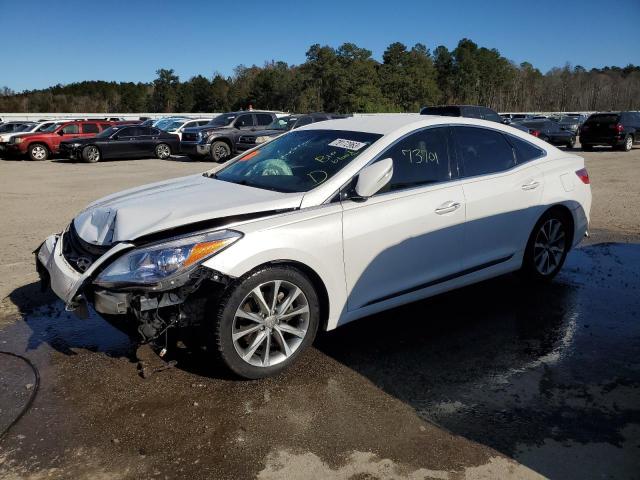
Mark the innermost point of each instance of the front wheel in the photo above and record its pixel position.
(571, 143)
(220, 151)
(91, 154)
(547, 247)
(163, 151)
(38, 152)
(266, 321)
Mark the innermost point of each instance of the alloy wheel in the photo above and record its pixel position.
(271, 323)
(39, 152)
(549, 246)
(628, 143)
(220, 152)
(93, 154)
(163, 151)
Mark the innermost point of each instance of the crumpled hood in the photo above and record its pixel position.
(161, 206)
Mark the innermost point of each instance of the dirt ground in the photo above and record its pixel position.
(545, 383)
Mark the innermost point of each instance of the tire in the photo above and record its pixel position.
(163, 151)
(541, 260)
(571, 143)
(38, 152)
(91, 154)
(587, 148)
(263, 329)
(628, 144)
(220, 151)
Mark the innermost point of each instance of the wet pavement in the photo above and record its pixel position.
(451, 387)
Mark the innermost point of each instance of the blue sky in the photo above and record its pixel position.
(65, 41)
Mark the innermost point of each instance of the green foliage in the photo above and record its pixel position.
(347, 79)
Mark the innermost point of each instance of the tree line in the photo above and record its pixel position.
(348, 79)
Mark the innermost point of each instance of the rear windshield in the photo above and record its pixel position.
(444, 111)
(604, 118)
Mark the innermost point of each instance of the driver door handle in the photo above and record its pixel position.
(532, 185)
(447, 207)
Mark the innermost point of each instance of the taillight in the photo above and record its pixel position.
(618, 127)
(583, 175)
(535, 133)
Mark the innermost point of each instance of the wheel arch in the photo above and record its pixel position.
(222, 139)
(40, 142)
(314, 277)
(566, 212)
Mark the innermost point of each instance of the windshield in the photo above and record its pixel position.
(299, 161)
(604, 118)
(221, 120)
(52, 127)
(569, 120)
(173, 125)
(284, 124)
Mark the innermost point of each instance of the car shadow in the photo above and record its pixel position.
(532, 370)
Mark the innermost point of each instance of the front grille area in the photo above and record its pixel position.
(78, 253)
(190, 137)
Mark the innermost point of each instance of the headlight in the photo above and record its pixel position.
(262, 139)
(18, 140)
(162, 261)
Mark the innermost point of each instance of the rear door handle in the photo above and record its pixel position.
(531, 185)
(447, 207)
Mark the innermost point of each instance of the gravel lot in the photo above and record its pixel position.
(544, 383)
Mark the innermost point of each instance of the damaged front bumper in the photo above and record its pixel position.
(65, 281)
(156, 308)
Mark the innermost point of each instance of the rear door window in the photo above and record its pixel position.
(525, 151)
(90, 128)
(483, 151)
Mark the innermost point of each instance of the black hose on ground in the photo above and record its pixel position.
(34, 392)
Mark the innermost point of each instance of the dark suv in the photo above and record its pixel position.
(219, 137)
(619, 130)
(470, 111)
(279, 126)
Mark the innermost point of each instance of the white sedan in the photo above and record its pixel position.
(323, 225)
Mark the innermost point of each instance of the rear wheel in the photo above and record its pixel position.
(628, 144)
(91, 154)
(547, 247)
(571, 143)
(38, 152)
(163, 151)
(220, 151)
(266, 321)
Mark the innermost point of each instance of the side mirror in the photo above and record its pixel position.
(373, 177)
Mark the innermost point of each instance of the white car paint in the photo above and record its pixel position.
(369, 255)
(188, 123)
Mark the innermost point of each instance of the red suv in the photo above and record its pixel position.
(45, 144)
